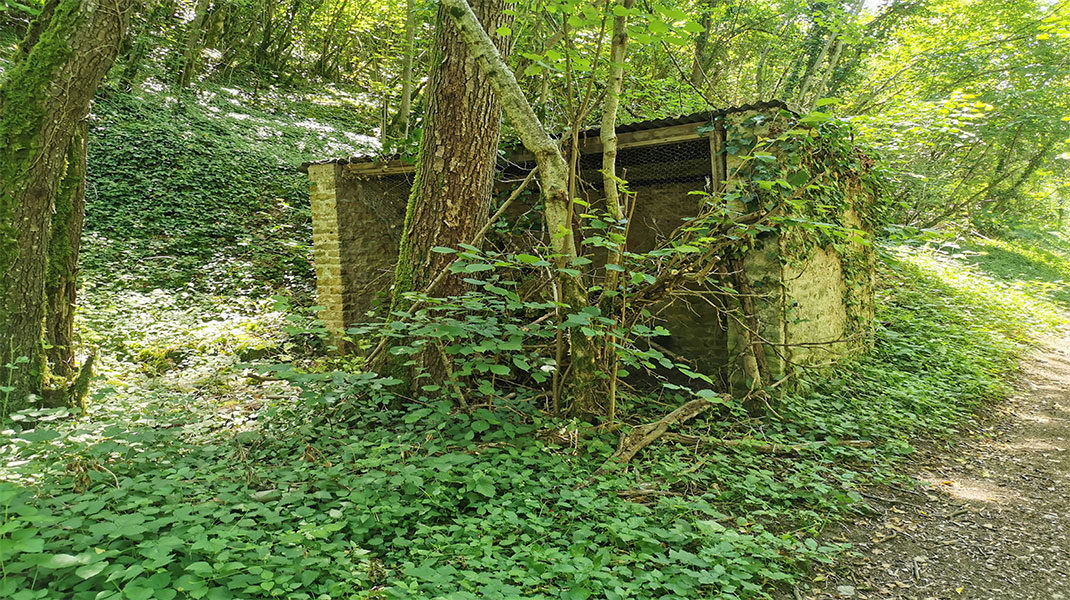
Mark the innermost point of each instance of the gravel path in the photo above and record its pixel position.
(991, 520)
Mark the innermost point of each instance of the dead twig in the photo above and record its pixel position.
(644, 435)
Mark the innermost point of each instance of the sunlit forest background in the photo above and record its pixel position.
(227, 449)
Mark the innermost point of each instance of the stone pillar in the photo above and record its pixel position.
(356, 226)
(326, 244)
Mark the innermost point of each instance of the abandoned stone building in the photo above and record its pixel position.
(814, 296)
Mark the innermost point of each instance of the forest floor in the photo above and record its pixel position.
(989, 518)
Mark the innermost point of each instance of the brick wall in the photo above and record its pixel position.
(356, 227)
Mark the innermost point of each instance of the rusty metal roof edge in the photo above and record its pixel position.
(696, 117)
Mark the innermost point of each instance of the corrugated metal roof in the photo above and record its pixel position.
(707, 116)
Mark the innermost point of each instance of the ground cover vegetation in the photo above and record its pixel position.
(467, 443)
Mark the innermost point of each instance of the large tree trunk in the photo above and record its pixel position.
(553, 175)
(61, 283)
(41, 103)
(451, 197)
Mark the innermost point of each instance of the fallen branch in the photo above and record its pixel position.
(644, 435)
(762, 447)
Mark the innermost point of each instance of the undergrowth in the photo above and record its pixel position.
(193, 477)
(258, 489)
(202, 192)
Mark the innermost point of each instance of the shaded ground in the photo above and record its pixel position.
(990, 518)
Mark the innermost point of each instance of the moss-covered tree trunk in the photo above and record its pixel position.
(62, 270)
(42, 102)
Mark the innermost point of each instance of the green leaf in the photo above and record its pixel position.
(485, 486)
(200, 568)
(59, 561)
(504, 31)
(91, 570)
(443, 250)
(40, 435)
(693, 27)
(418, 414)
(135, 591)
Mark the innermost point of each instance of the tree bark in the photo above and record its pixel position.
(454, 181)
(41, 103)
(61, 283)
(451, 196)
(608, 135)
(608, 131)
(553, 176)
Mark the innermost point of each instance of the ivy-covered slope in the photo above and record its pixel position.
(204, 191)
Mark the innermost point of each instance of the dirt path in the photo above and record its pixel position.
(993, 521)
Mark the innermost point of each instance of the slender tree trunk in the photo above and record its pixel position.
(818, 73)
(61, 283)
(608, 134)
(759, 73)
(406, 68)
(260, 56)
(553, 175)
(834, 61)
(608, 131)
(698, 65)
(136, 58)
(193, 44)
(42, 102)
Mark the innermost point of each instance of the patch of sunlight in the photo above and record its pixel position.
(1040, 419)
(315, 125)
(986, 294)
(1045, 257)
(266, 133)
(975, 490)
(368, 141)
(334, 97)
(154, 86)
